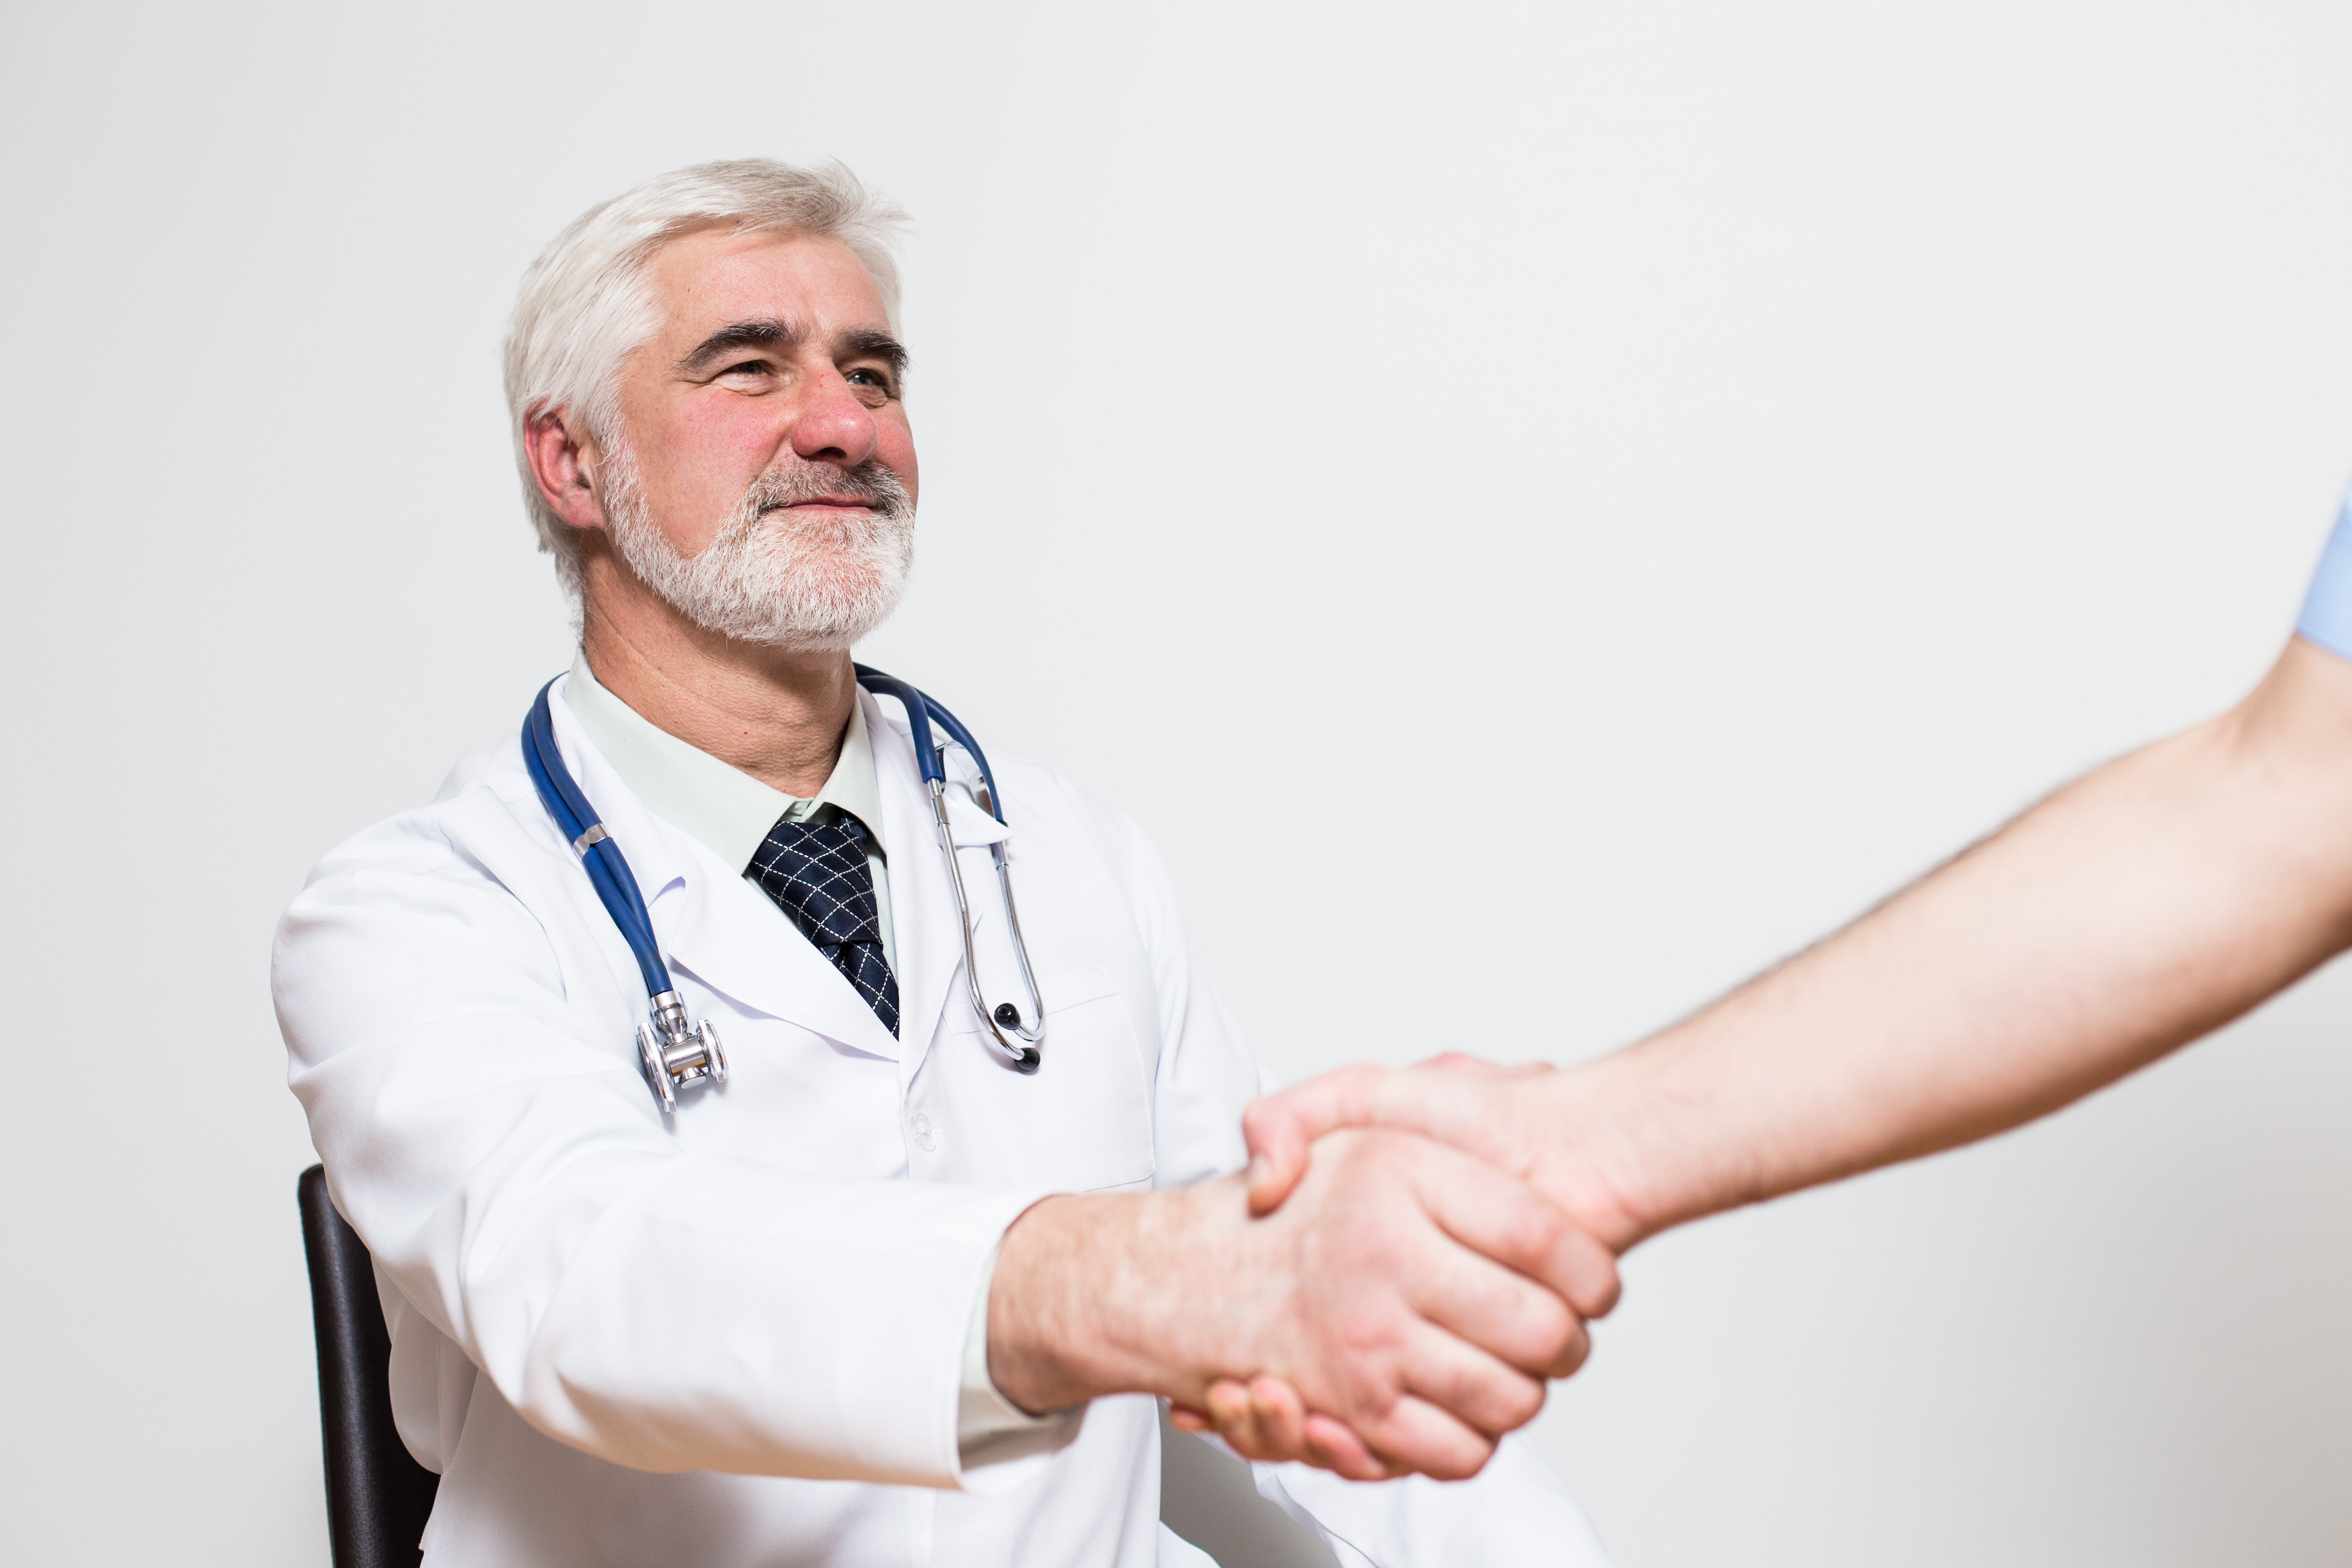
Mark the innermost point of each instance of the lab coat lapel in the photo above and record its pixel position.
(713, 924)
(925, 925)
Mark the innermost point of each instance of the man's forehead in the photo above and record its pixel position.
(813, 280)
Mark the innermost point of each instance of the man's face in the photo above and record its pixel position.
(762, 477)
(771, 347)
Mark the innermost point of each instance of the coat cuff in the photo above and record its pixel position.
(997, 1444)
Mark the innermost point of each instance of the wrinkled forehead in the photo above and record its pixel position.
(703, 280)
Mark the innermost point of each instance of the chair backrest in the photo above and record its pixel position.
(377, 1497)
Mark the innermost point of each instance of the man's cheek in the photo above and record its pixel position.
(731, 440)
(895, 443)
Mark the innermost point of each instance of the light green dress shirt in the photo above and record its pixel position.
(731, 811)
(726, 808)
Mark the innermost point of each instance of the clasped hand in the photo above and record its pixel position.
(1470, 1104)
(1399, 1309)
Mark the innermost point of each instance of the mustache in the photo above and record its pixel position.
(801, 483)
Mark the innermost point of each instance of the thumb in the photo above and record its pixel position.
(1280, 1126)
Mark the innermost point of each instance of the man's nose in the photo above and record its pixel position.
(833, 425)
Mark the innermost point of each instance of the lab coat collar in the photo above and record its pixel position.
(720, 928)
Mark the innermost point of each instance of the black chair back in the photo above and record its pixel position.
(377, 1497)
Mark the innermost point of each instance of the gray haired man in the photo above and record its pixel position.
(879, 1298)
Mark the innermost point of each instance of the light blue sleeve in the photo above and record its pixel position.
(2327, 618)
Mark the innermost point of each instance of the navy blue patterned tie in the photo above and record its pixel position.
(816, 872)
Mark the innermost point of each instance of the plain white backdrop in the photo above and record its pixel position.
(1540, 510)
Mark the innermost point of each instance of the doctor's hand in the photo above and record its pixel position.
(1510, 1117)
(1416, 1298)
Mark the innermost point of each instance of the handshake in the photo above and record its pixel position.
(1371, 1299)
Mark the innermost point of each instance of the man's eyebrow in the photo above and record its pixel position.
(767, 333)
(873, 344)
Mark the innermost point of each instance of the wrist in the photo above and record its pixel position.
(1607, 1155)
(1656, 1139)
(1084, 1300)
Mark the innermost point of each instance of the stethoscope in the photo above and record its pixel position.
(675, 1053)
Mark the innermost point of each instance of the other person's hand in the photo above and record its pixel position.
(1413, 1297)
(1511, 1116)
(1529, 1120)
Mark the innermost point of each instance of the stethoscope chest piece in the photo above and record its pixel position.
(675, 1053)
(675, 1056)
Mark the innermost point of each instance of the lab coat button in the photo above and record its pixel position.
(922, 1128)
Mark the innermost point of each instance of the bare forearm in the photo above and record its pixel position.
(2133, 912)
(2127, 914)
(1088, 1298)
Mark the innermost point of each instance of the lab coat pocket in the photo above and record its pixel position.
(1081, 1122)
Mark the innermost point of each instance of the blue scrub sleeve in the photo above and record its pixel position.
(2327, 618)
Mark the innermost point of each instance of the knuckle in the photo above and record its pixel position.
(1498, 1402)
(1536, 1230)
(1556, 1330)
(1573, 1353)
(1461, 1460)
(1528, 1324)
(1526, 1403)
(1602, 1292)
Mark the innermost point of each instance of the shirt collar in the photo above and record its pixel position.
(727, 809)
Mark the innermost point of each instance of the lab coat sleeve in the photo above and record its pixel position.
(1516, 1510)
(660, 1308)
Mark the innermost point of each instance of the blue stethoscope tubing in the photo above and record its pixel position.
(1019, 1039)
(674, 1054)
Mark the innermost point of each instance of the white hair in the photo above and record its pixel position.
(584, 306)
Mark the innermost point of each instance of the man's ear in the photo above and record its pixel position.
(563, 462)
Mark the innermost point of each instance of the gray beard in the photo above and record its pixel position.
(801, 584)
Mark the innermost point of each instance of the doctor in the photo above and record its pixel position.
(879, 1298)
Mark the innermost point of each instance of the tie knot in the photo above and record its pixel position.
(816, 873)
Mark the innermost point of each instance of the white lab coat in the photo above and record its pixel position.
(735, 1337)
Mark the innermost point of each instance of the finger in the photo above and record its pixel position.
(1508, 1221)
(1267, 1421)
(1499, 1312)
(1474, 1387)
(1415, 1434)
(1280, 1126)
(1263, 1420)
(1228, 1403)
(1280, 1416)
(1333, 1444)
(1184, 1418)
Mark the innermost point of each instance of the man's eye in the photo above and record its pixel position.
(748, 367)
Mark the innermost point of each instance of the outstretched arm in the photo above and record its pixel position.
(2129, 913)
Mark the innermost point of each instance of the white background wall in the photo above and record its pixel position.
(1539, 509)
